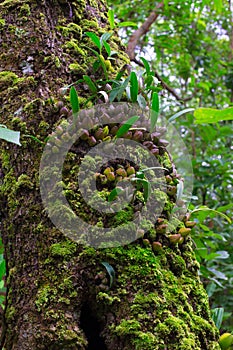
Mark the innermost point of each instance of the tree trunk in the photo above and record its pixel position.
(59, 294)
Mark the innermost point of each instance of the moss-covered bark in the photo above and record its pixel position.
(58, 291)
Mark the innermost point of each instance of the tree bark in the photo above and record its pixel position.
(58, 294)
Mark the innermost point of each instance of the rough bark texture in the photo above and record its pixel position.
(58, 292)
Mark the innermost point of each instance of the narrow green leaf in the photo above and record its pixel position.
(153, 168)
(35, 139)
(96, 65)
(126, 126)
(113, 93)
(114, 193)
(148, 81)
(127, 24)
(154, 113)
(178, 114)
(140, 174)
(103, 65)
(217, 316)
(147, 189)
(211, 115)
(110, 271)
(146, 65)
(118, 91)
(133, 87)
(10, 135)
(104, 37)
(107, 48)
(90, 84)
(155, 102)
(111, 19)
(74, 100)
(2, 269)
(146, 186)
(210, 289)
(94, 38)
(123, 88)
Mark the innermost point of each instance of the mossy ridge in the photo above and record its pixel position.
(160, 314)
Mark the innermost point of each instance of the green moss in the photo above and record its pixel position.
(11, 3)
(109, 66)
(18, 125)
(53, 59)
(165, 161)
(63, 249)
(45, 295)
(75, 28)
(123, 216)
(72, 29)
(24, 10)
(34, 105)
(145, 340)
(74, 47)
(2, 23)
(94, 3)
(24, 181)
(89, 25)
(10, 313)
(127, 327)
(44, 126)
(171, 308)
(122, 57)
(7, 78)
(78, 69)
(107, 299)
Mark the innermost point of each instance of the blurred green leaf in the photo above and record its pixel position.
(146, 65)
(127, 24)
(90, 83)
(179, 114)
(74, 100)
(111, 19)
(154, 113)
(217, 316)
(114, 193)
(126, 126)
(211, 115)
(133, 87)
(204, 209)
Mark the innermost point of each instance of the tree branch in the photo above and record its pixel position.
(134, 39)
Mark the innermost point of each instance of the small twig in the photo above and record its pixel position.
(135, 37)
